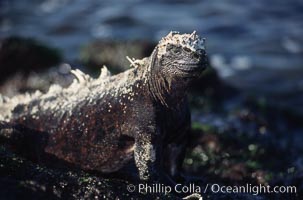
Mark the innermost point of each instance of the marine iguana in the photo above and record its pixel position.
(139, 116)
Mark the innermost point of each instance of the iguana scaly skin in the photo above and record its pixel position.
(139, 116)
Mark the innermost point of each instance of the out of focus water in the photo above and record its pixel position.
(244, 37)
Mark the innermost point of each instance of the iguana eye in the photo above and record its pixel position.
(187, 50)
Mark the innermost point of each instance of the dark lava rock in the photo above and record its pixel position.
(209, 92)
(25, 55)
(27, 65)
(23, 179)
(249, 141)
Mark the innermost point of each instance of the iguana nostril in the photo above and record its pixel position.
(199, 54)
(196, 56)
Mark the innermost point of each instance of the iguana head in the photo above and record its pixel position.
(176, 61)
(182, 55)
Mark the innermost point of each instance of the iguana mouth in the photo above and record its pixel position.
(191, 67)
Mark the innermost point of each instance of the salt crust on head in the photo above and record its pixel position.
(191, 41)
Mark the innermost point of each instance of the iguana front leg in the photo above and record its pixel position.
(145, 154)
